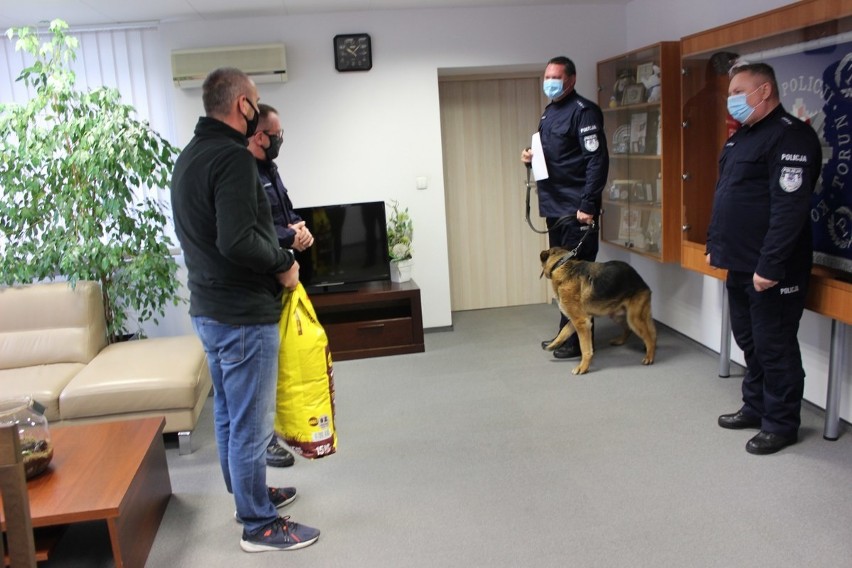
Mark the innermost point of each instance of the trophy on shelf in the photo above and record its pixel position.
(653, 230)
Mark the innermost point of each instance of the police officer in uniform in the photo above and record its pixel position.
(290, 229)
(264, 146)
(574, 146)
(760, 232)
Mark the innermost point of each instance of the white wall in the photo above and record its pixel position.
(366, 136)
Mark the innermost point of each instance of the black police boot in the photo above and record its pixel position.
(739, 420)
(571, 348)
(765, 443)
(568, 350)
(277, 456)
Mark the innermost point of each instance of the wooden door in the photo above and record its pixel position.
(494, 256)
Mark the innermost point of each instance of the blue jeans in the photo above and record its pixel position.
(243, 361)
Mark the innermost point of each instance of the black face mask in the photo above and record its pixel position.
(251, 125)
(274, 145)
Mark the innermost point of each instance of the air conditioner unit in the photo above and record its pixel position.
(266, 63)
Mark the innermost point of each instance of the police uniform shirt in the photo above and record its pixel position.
(282, 208)
(761, 210)
(575, 151)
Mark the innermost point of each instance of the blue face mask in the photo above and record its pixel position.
(739, 109)
(552, 88)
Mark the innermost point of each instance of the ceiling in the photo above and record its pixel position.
(105, 12)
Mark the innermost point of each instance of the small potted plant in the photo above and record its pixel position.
(400, 234)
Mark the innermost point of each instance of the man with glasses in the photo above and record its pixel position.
(289, 227)
(264, 146)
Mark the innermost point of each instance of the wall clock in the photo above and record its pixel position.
(353, 52)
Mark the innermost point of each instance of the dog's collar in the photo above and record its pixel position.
(564, 260)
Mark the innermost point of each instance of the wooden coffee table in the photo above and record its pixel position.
(110, 471)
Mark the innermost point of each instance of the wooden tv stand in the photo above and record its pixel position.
(380, 318)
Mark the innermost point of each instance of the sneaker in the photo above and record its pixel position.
(280, 534)
(277, 455)
(279, 496)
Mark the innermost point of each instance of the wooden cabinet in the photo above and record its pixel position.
(809, 45)
(380, 318)
(639, 95)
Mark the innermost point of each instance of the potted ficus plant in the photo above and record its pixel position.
(400, 233)
(76, 168)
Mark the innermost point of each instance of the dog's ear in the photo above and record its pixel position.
(545, 254)
(545, 269)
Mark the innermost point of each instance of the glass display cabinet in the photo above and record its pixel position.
(638, 93)
(809, 44)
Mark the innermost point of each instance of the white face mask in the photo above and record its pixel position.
(739, 109)
(552, 88)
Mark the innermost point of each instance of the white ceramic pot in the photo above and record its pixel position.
(400, 270)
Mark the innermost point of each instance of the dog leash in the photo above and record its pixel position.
(573, 252)
(561, 221)
(593, 226)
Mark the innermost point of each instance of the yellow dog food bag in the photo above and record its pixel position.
(304, 416)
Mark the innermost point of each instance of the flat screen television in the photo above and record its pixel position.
(350, 246)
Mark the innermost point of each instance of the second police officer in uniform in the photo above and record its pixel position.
(760, 232)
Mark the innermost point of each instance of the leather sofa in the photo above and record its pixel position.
(53, 347)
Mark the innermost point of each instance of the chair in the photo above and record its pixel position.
(16, 503)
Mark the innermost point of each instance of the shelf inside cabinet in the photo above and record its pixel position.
(655, 157)
(637, 204)
(633, 225)
(630, 108)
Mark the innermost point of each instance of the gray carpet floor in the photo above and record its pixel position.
(484, 451)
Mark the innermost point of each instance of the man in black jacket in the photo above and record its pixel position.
(236, 277)
(289, 227)
(760, 231)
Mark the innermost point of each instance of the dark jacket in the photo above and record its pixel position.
(282, 208)
(224, 225)
(761, 209)
(575, 151)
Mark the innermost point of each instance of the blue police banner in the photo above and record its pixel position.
(815, 84)
(832, 211)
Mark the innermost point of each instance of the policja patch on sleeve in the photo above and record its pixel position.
(591, 143)
(791, 179)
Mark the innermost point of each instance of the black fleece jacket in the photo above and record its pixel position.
(224, 225)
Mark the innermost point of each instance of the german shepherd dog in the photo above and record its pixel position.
(585, 289)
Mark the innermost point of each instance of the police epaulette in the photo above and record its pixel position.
(786, 120)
